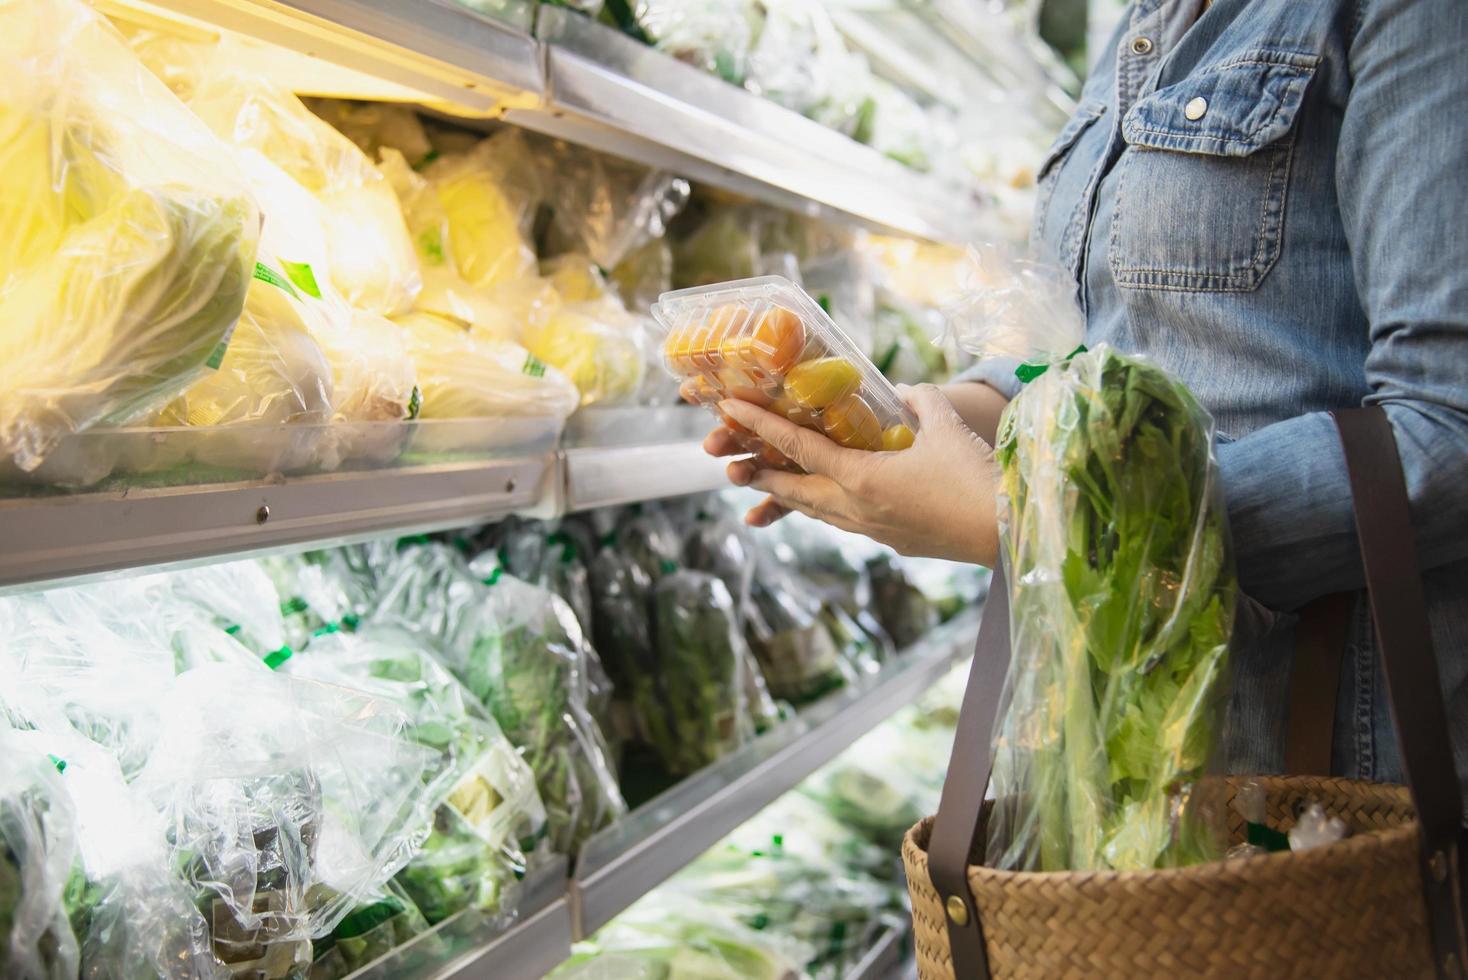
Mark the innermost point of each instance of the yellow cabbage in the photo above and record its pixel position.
(597, 344)
(129, 237)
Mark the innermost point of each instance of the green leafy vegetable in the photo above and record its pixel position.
(1123, 595)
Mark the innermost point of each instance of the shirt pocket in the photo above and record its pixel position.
(1045, 177)
(1200, 201)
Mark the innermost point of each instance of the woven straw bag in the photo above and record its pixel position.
(1385, 902)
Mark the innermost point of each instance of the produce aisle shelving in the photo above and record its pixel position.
(569, 77)
(634, 855)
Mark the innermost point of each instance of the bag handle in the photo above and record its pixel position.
(1393, 578)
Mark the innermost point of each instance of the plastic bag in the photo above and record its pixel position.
(370, 258)
(1122, 596)
(487, 817)
(37, 848)
(285, 801)
(797, 655)
(486, 198)
(238, 596)
(1014, 308)
(464, 377)
(374, 927)
(644, 275)
(519, 649)
(600, 346)
(904, 612)
(605, 208)
(375, 126)
(712, 35)
(274, 373)
(130, 237)
(131, 914)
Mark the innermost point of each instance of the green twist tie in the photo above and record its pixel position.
(295, 604)
(350, 621)
(58, 762)
(275, 658)
(1029, 370)
(667, 567)
(233, 629)
(493, 576)
(326, 628)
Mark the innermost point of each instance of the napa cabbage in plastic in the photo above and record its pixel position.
(462, 376)
(486, 198)
(488, 817)
(369, 256)
(129, 236)
(597, 344)
(37, 849)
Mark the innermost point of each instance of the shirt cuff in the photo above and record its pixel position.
(997, 373)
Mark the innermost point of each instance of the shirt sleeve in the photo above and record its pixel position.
(1402, 178)
(997, 373)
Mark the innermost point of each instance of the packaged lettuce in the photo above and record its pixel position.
(1122, 596)
(37, 848)
(796, 652)
(130, 235)
(374, 927)
(900, 607)
(519, 650)
(488, 817)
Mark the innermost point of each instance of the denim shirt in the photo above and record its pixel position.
(1269, 198)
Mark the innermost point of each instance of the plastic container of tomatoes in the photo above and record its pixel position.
(767, 342)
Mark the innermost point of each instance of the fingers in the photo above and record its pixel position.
(741, 472)
(720, 442)
(929, 404)
(765, 513)
(806, 492)
(814, 452)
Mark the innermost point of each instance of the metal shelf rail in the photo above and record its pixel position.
(588, 83)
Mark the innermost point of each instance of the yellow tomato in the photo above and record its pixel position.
(896, 437)
(851, 422)
(824, 381)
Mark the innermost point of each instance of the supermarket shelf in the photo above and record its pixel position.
(611, 92)
(467, 946)
(617, 456)
(884, 960)
(82, 534)
(624, 862)
(433, 51)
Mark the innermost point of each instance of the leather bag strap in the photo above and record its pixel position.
(1315, 683)
(956, 826)
(1393, 578)
(1414, 691)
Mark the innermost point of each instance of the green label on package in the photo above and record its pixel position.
(533, 366)
(264, 273)
(300, 273)
(415, 403)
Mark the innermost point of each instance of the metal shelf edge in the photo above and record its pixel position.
(882, 960)
(831, 725)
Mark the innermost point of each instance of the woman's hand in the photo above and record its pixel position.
(935, 498)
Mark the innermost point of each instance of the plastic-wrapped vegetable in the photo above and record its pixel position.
(796, 653)
(375, 126)
(605, 208)
(902, 609)
(903, 343)
(238, 596)
(131, 914)
(273, 373)
(375, 926)
(551, 560)
(370, 258)
(712, 35)
(1122, 596)
(644, 275)
(37, 847)
(600, 346)
(487, 814)
(678, 936)
(519, 649)
(285, 803)
(465, 377)
(336, 585)
(129, 235)
(485, 198)
(723, 246)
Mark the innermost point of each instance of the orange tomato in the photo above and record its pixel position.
(800, 415)
(770, 348)
(851, 422)
(896, 437)
(824, 381)
(739, 385)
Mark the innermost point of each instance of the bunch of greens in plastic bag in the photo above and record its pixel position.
(130, 236)
(377, 925)
(797, 653)
(488, 816)
(37, 847)
(899, 605)
(519, 650)
(1122, 592)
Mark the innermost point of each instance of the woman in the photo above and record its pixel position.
(1270, 199)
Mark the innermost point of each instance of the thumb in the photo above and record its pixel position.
(929, 404)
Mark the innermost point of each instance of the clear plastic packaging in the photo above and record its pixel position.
(596, 343)
(37, 848)
(712, 35)
(375, 126)
(766, 341)
(1122, 596)
(905, 613)
(606, 208)
(488, 817)
(376, 925)
(286, 801)
(796, 652)
(520, 651)
(369, 257)
(462, 376)
(129, 234)
(481, 210)
(1012, 307)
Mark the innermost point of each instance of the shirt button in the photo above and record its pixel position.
(1141, 45)
(1195, 108)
